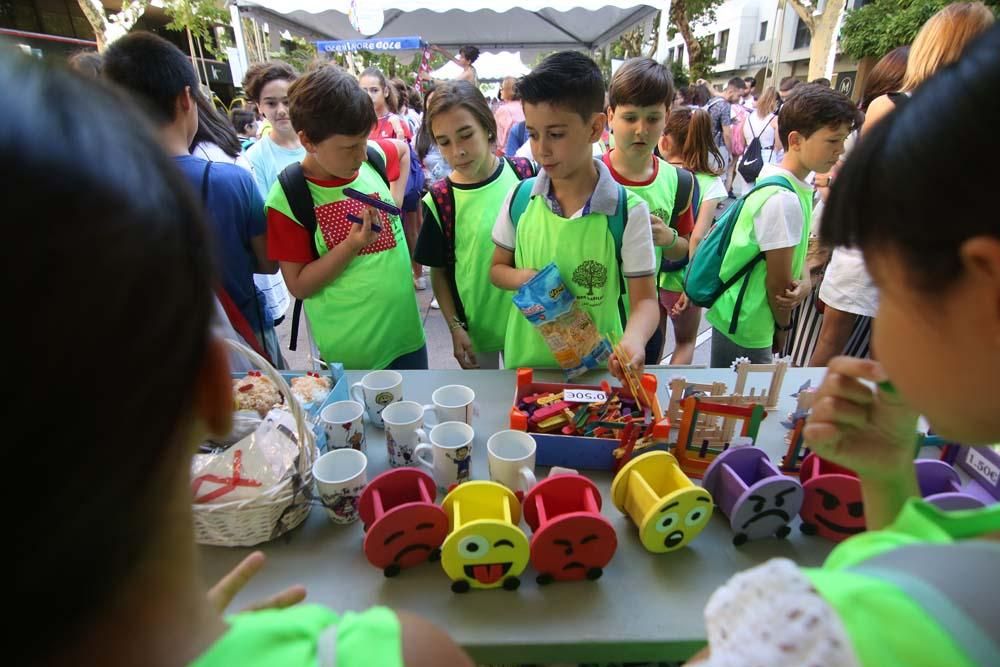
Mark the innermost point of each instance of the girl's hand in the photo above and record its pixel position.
(361, 236)
(662, 233)
(680, 306)
(220, 595)
(872, 432)
(464, 353)
(635, 358)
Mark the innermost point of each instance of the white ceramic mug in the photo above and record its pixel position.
(377, 390)
(341, 476)
(512, 459)
(344, 425)
(450, 448)
(403, 432)
(451, 403)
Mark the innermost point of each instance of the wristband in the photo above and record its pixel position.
(455, 323)
(781, 328)
(674, 242)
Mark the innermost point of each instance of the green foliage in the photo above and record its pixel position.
(702, 67)
(881, 26)
(682, 78)
(698, 12)
(198, 16)
(297, 52)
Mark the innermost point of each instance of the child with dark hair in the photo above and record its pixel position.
(216, 140)
(573, 203)
(161, 78)
(460, 212)
(87, 63)
(389, 124)
(638, 102)
(753, 316)
(113, 542)
(266, 84)
(245, 124)
(919, 588)
(352, 277)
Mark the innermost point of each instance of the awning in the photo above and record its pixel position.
(528, 26)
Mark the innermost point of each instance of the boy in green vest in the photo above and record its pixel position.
(354, 277)
(567, 219)
(751, 319)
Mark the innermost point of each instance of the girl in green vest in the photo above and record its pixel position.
(687, 143)
(109, 573)
(460, 211)
(919, 589)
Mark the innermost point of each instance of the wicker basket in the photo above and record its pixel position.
(244, 523)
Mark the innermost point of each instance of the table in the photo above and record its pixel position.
(645, 607)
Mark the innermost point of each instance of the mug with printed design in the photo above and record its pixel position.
(377, 390)
(344, 425)
(403, 432)
(341, 476)
(450, 447)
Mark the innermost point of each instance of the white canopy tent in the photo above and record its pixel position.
(528, 26)
(489, 67)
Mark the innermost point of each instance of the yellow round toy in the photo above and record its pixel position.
(656, 494)
(485, 548)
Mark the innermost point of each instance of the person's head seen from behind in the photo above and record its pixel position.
(464, 130)
(638, 102)
(937, 330)
(333, 117)
(563, 101)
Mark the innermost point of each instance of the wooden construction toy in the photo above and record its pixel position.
(667, 507)
(940, 485)
(696, 446)
(485, 548)
(571, 539)
(832, 506)
(752, 492)
(768, 398)
(680, 389)
(403, 526)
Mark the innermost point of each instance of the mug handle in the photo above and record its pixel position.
(527, 477)
(423, 447)
(428, 411)
(358, 395)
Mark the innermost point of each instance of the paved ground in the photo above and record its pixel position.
(439, 349)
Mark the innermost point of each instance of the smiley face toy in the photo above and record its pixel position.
(571, 540)
(832, 507)
(485, 548)
(758, 499)
(403, 526)
(668, 508)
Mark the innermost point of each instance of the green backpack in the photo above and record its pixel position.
(616, 226)
(704, 282)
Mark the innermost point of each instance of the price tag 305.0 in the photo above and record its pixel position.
(584, 396)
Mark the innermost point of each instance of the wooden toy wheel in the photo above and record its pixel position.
(808, 528)
(783, 532)
(594, 573)
(392, 570)
(460, 586)
(434, 556)
(511, 583)
(740, 539)
(544, 579)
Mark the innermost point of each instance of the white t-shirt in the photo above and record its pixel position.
(780, 221)
(206, 150)
(638, 258)
(716, 190)
(755, 124)
(847, 286)
(268, 159)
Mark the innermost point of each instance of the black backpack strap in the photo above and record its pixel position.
(684, 198)
(444, 203)
(296, 189)
(376, 160)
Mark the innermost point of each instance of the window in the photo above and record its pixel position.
(680, 54)
(802, 35)
(670, 55)
(723, 46)
(763, 31)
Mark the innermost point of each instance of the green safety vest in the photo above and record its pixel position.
(368, 316)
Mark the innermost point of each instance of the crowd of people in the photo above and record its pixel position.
(158, 248)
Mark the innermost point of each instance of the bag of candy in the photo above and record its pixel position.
(568, 331)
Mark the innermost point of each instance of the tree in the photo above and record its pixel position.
(196, 18)
(881, 26)
(685, 17)
(824, 27)
(637, 42)
(590, 274)
(109, 27)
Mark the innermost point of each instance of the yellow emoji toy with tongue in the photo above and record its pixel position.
(485, 548)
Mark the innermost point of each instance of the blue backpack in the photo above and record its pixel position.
(703, 283)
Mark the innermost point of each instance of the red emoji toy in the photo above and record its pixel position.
(832, 507)
(571, 540)
(403, 526)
